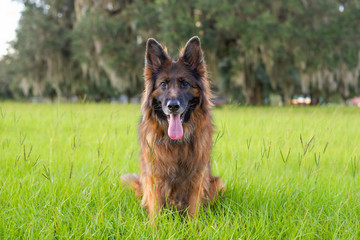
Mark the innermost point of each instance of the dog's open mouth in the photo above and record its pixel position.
(181, 117)
(175, 130)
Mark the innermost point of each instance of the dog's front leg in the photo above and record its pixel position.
(197, 193)
(152, 196)
(195, 200)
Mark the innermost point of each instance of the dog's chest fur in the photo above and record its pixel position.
(176, 165)
(177, 168)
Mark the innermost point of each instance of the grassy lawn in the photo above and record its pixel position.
(290, 173)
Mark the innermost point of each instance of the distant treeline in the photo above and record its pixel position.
(253, 49)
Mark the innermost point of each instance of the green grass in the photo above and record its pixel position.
(291, 173)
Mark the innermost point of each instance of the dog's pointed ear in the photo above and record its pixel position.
(155, 55)
(192, 54)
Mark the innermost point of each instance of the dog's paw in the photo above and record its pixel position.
(128, 179)
(132, 181)
(220, 187)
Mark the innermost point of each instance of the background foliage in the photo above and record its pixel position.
(253, 48)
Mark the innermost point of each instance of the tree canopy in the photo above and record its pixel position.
(253, 48)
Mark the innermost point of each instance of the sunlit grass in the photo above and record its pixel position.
(290, 173)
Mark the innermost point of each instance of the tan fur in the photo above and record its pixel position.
(176, 172)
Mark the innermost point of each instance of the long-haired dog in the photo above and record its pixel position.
(175, 132)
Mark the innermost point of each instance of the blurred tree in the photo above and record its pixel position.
(253, 49)
(43, 56)
(7, 72)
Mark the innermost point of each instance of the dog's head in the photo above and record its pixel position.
(175, 89)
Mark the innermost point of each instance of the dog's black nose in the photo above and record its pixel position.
(173, 105)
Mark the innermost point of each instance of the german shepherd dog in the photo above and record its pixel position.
(175, 132)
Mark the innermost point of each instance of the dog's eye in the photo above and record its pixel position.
(163, 85)
(184, 84)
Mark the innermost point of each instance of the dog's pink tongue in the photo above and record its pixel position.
(175, 130)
